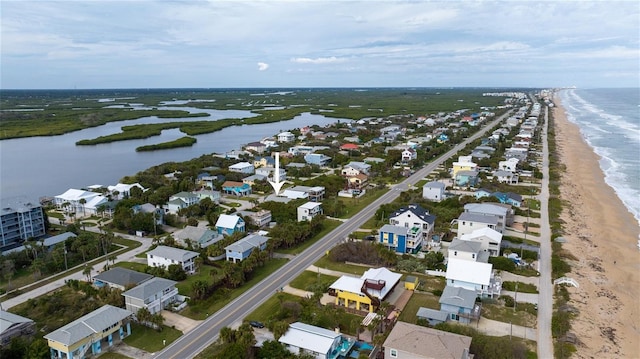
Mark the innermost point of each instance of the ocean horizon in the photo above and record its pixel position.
(609, 121)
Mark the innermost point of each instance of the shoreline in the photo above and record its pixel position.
(602, 234)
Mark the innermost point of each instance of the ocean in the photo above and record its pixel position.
(609, 120)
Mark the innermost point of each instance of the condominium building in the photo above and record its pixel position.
(20, 220)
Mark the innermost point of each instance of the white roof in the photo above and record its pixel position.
(310, 205)
(123, 187)
(77, 194)
(227, 221)
(354, 285)
(241, 165)
(481, 232)
(309, 337)
(348, 283)
(177, 254)
(95, 201)
(469, 271)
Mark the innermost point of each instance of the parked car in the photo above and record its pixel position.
(256, 324)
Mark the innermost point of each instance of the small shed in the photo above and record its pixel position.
(411, 283)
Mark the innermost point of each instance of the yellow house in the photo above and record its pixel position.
(364, 293)
(410, 283)
(464, 163)
(90, 332)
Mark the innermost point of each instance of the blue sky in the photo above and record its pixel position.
(155, 44)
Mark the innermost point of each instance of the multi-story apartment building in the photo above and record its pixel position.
(20, 220)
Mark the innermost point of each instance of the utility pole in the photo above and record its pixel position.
(65, 257)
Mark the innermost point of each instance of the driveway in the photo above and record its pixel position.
(179, 322)
(522, 297)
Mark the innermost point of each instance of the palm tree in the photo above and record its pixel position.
(83, 202)
(87, 272)
(8, 269)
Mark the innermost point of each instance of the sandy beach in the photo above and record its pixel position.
(603, 235)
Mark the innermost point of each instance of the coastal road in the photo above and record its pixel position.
(545, 287)
(195, 341)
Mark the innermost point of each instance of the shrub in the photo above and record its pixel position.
(502, 263)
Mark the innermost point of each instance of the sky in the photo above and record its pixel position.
(316, 43)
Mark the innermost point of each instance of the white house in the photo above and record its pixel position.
(504, 212)
(180, 201)
(72, 200)
(471, 275)
(414, 216)
(124, 190)
(286, 137)
(488, 238)
(467, 250)
(269, 173)
(313, 194)
(469, 222)
(320, 343)
(433, 191)
(155, 294)
(307, 211)
(508, 165)
(355, 168)
(409, 154)
(242, 167)
(507, 177)
(163, 256)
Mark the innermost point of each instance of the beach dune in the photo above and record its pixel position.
(603, 236)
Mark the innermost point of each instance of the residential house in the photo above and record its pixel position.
(466, 179)
(258, 147)
(20, 220)
(433, 191)
(260, 219)
(414, 216)
(318, 342)
(251, 180)
(214, 196)
(72, 200)
(509, 198)
(367, 292)
(309, 210)
(401, 239)
(240, 250)
(355, 168)
(409, 154)
(210, 181)
(264, 162)
(163, 256)
(301, 150)
(508, 165)
(313, 194)
(475, 276)
(120, 278)
(348, 147)
(269, 173)
(242, 167)
(466, 250)
(122, 190)
(13, 325)
(460, 304)
(183, 200)
(198, 237)
(229, 224)
(357, 182)
(286, 137)
(49, 242)
(88, 334)
(469, 222)
(507, 177)
(488, 238)
(158, 213)
(504, 212)
(413, 341)
(236, 188)
(464, 163)
(432, 316)
(155, 294)
(317, 159)
(482, 192)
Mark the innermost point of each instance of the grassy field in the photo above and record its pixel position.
(521, 316)
(112, 355)
(138, 267)
(307, 280)
(324, 262)
(150, 340)
(268, 309)
(329, 225)
(429, 283)
(522, 287)
(418, 300)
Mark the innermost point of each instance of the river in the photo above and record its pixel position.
(48, 166)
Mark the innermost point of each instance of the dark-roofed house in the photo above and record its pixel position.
(163, 256)
(13, 325)
(418, 342)
(155, 294)
(90, 332)
(120, 278)
(414, 216)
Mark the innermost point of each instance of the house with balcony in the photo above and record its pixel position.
(401, 239)
(504, 212)
(408, 155)
(467, 250)
(164, 256)
(313, 194)
(357, 182)
(286, 137)
(354, 168)
(309, 210)
(434, 191)
(197, 236)
(120, 278)
(123, 190)
(260, 219)
(488, 238)
(241, 249)
(72, 200)
(90, 334)
(238, 189)
(460, 304)
(317, 159)
(464, 163)
(242, 167)
(229, 224)
(317, 342)
(269, 173)
(155, 294)
(507, 177)
(466, 178)
(257, 147)
(414, 215)
(418, 342)
(367, 292)
(474, 276)
(264, 162)
(180, 201)
(469, 222)
(21, 219)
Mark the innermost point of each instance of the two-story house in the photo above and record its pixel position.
(417, 342)
(354, 168)
(286, 137)
(240, 250)
(367, 292)
(239, 189)
(260, 218)
(464, 163)
(488, 238)
(229, 224)
(434, 191)
(317, 159)
(163, 256)
(313, 194)
(401, 239)
(414, 216)
(155, 294)
(472, 275)
(408, 155)
(309, 210)
(242, 167)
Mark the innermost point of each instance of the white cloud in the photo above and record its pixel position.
(262, 66)
(317, 61)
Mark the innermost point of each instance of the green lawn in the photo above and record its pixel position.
(150, 340)
(268, 309)
(324, 262)
(418, 300)
(328, 224)
(355, 205)
(307, 280)
(204, 273)
(111, 355)
(201, 309)
(429, 283)
(522, 287)
(506, 314)
(138, 267)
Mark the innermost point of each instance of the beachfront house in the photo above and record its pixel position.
(417, 342)
(475, 276)
(504, 212)
(88, 334)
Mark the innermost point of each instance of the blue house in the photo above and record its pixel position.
(511, 198)
(401, 239)
(317, 159)
(482, 193)
(240, 250)
(460, 303)
(239, 189)
(466, 178)
(229, 224)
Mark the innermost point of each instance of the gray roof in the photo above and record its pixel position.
(58, 239)
(394, 229)
(122, 277)
(428, 313)
(425, 342)
(94, 322)
(481, 218)
(7, 320)
(246, 243)
(465, 246)
(149, 288)
(486, 208)
(459, 297)
(435, 184)
(176, 254)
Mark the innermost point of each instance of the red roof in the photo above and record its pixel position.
(349, 146)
